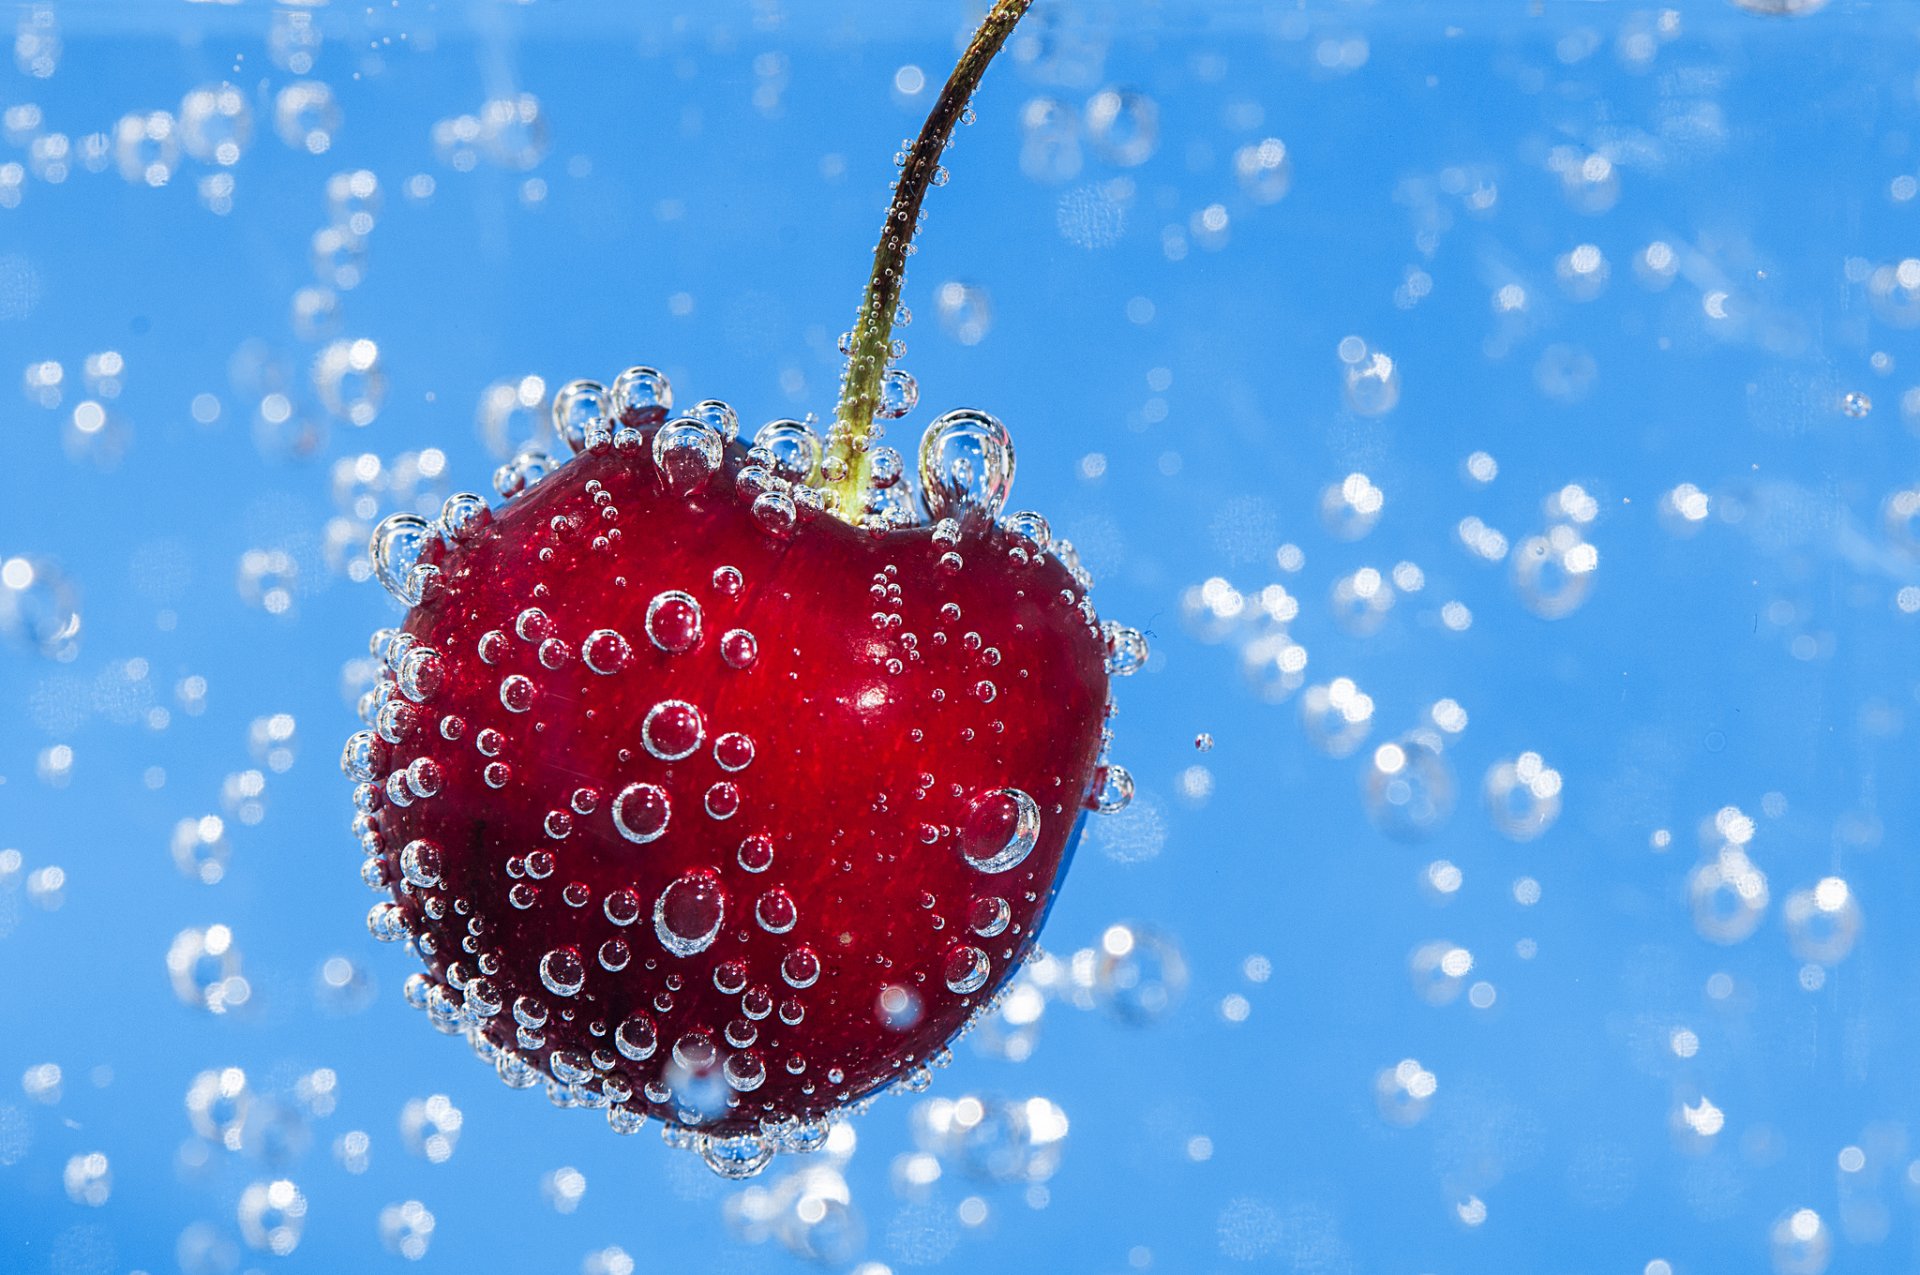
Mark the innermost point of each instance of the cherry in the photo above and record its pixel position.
(713, 784)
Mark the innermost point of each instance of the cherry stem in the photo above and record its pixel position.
(871, 346)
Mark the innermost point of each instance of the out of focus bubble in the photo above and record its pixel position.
(39, 608)
(1136, 973)
(1409, 787)
(1822, 922)
(1729, 896)
(1523, 796)
(1336, 716)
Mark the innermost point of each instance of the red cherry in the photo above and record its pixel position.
(713, 820)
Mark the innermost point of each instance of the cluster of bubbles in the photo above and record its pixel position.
(204, 965)
(263, 1132)
(510, 132)
(344, 380)
(978, 1142)
(1730, 893)
(366, 488)
(92, 431)
(1120, 126)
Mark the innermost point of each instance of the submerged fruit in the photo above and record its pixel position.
(707, 806)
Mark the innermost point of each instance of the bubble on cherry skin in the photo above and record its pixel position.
(605, 651)
(673, 621)
(687, 452)
(689, 912)
(1126, 649)
(1115, 792)
(395, 547)
(966, 969)
(641, 396)
(420, 864)
(532, 624)
(562, 972)
(793, 448)
(673, 730)
(420, 674)
(463, 516)
(723, 800)
(516, 693)
(733, 751)
(776, 513)
(989, 916)
(719, 415)
(738, 1157)
(776, 912)
(641, 812)
(756, 853)
(576, 407)
(1029, 531)
(622, 907)
(1000, 830)
(491, 647)
(730, 977)
(739, 648)
(966, 465)
(636, 1038)
(800, 968)
(745, 1071)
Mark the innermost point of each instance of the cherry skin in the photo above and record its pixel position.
(720, 813)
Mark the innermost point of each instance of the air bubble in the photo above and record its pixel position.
(733, 751)
(739, 648)
(723, 800)
(776, 912)
(688, 914)
(395, 548)
(641, 396)
(1115, 790)
(673, 622)
(1126, 649)
(420, 864)
(687, 453)
(605, 651)
(562, 972)
(800, 968)
(516, 693)
(756, 853)
(673, 730)
(463, 516)
(636, 1038)
(793, 449)
(622, 907)
(966, 465)
(966, 969)
(899, 394)
(641, 812)
(719, 416)
(578, 408)
(1000, 830)
(989, 917)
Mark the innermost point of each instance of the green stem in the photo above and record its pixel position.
(853, 430)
